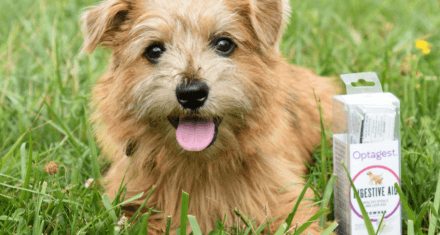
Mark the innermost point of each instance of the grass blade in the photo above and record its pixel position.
(330, 229)
(292, 214)
(144, 227)
(260, 229)
(323, 175)
(135, 197)
(37, 209)
(28, 171)
(23, 161)
(367, 220)
(16, 144)
(194, 225)
(168, 226)
(434, 209)
(326, 198)
(142, 206)
(108, 206)
(81, 231)
(223, 225)
(380, 224)
(418, 222)
(410, 227)
(41, 227)
(408, 209)
(248, 230)
(75, 141)
(28, 190)
(93, 151)
(310, 221)
(55, 57)
(283, 227)
(184, 213)
(242, 218)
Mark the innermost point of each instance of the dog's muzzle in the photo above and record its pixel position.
(194, 133)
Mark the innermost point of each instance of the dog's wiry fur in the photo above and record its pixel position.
(267, 108)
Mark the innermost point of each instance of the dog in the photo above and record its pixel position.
(197, 98)
(374, 178)
(379, 181)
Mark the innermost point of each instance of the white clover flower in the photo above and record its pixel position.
(88, 182)
(122, 220)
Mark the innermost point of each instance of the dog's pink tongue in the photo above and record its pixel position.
(195, 135)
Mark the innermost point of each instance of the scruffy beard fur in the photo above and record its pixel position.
(268, 113)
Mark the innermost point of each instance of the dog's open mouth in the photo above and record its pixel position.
(195, 133)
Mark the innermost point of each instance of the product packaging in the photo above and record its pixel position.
(366, 137)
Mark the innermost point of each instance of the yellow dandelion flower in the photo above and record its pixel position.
(417, 86)
(424, 46)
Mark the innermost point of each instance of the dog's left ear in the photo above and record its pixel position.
(101, 22)
(269, 18)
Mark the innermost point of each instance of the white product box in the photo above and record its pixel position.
(366, 137)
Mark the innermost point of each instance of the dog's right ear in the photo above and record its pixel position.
(101, 22)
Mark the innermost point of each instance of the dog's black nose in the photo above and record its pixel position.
(192, 95)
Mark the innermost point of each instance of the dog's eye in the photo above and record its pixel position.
(154, 52)
(223, 46)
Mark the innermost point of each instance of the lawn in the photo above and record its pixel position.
(45, 85)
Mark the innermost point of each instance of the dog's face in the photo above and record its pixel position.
(369, 173)
(187, 67)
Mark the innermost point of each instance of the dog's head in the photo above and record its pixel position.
(369, 173)
(189, 67)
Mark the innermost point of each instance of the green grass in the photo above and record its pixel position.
(45, 85)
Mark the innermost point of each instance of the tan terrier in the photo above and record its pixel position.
(379, 181)
(199, 99)
(373, 177)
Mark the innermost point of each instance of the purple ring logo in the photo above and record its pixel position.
(362, 171)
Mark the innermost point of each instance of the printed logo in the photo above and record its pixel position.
(375, 178)
(375, 186)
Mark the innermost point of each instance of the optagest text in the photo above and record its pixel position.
(376, 155)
